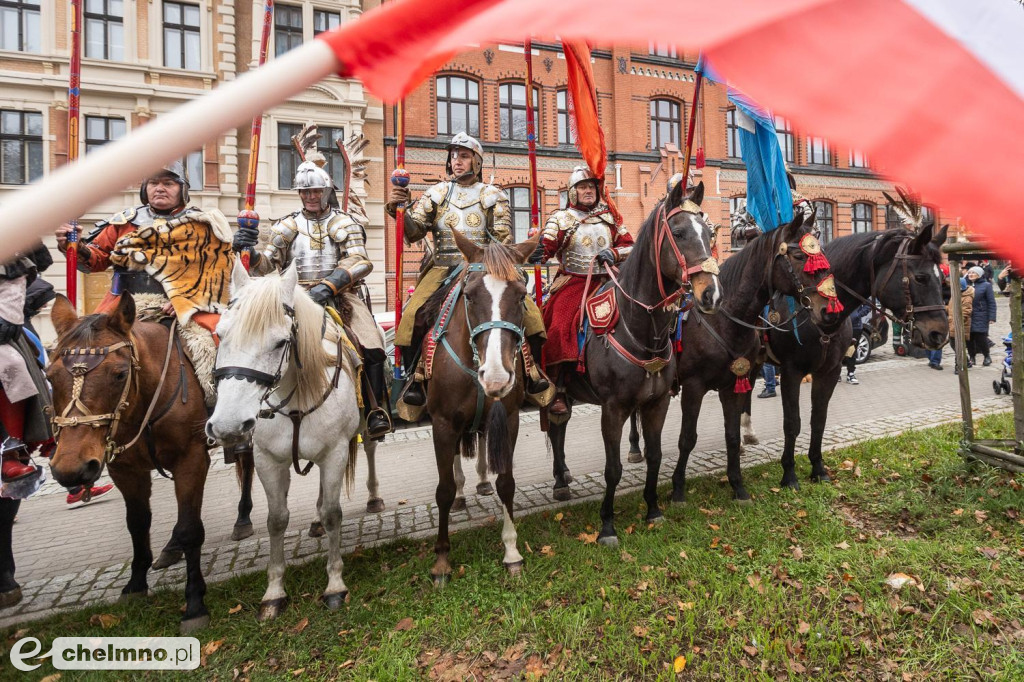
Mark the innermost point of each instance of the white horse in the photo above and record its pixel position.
(279, 380)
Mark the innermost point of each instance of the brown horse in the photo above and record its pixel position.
(632, 366)
(125, 397)
(477, 380)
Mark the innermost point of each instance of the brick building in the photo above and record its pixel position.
(644, 99)
(139, 61)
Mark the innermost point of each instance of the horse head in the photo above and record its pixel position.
(909, 283)
(801, 271)
(94, 373)
(494, 295)
(683, 244)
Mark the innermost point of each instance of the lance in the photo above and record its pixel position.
(248, 217)
(531, 146)
(690, 128)
(74, 115)
(399, 178)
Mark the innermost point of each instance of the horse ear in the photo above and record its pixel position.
(675, 197)
(289, 280)
(792, 229)
(526, 249)
(122, 317)
(696, 195)
(63, 315)
(940, 237)
(471, 251)
(239, 277)
(923, 238)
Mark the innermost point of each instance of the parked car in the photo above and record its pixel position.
(869, 340)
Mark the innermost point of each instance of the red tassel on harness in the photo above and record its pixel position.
(816, 262)
(742, 385)
(677, 345)
(700, 158)
(581, 366)
(834, 306)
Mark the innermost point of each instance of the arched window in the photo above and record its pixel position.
(458, 106)
(892, 219)
(512, 110)
(825, 220)
(732, 135)
(665, 123)
(519, 203)
(863, 217)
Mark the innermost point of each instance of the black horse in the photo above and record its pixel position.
(718, 352)
(632, 366)
(900, 269)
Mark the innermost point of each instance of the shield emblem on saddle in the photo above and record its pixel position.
(602, 310)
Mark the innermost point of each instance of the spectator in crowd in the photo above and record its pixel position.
(768, 371)
(935, 356)
(986, 267)
(850, 359)
(983, 315)
(1003, 280)
(966, 307)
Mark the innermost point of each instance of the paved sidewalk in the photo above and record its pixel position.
(70, 558)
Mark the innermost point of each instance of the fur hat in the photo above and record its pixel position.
(978, 272)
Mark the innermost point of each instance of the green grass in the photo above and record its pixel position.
(788, 587)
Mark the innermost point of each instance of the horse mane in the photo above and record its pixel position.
(260, 309)
(500, 262)
(731, 271)
(641, 245)
(845, 251)
(83, 334)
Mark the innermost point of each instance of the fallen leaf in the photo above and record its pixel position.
(843, 545)
(751, 650)
(988, 552)
(897, 580)
(846, 465)
(796, 666)
(547, 551)
(684, 605)
(298, 671)
(682, 555)
(679, 665)
(401, 502)
(559, 516)
(958, 512)
(639, 631)
(51, 678)
(983, 618)
(801, 514)
(803, 628)
(754, 581)
(404, 624)
(235, 609)
(300, 626)
(104, 620)
(588, 538)
(714, 542)
(714, 526)
(626, 556)
(211, 647)
(797, 552)
(980, 515)
(776, 490)
(347, 664)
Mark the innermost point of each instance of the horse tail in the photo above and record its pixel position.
(350, 465)
(243, 462)
(467, 446)
(499, 446)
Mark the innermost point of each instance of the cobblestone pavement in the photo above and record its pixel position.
(72, 557)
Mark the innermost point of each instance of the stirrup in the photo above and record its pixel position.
(415, 395)
(384, 426)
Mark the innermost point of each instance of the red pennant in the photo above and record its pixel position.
(742, 385)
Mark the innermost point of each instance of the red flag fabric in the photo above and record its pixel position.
(923, 87)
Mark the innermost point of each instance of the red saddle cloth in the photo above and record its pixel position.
(602, 311)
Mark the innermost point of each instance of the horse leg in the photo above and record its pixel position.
(821, 394)
(653, 420)
(189, 534)
(732, 406)
(332, 473)
(790, 425)
(506, 481)
(483, 486)
(446, 452)
(635, 455)
(276, 479)
(749, 437)
(460, 482)
(691, 403)
(316, 526)
(244, 468)
(556, 433)
(374, 503)
(612, 420)
(135, 487)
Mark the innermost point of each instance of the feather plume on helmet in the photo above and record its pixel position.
(907, 207)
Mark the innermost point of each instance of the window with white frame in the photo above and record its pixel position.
(892, 218)
(824, 218)
(21, 147)
(519, 204)
(858, 159)
(818, 152)
(659, 50)
(100, 130)
(19, 25)
(287, 155)
(287, 28)
(328, 146)
(665, 118)
(182, 48)
(863, 217)
(512, 110)
(104, 29)
(194, 170)
(732, 135)
(787, 142)
(565, 132)
(458, 106)
(324, 21)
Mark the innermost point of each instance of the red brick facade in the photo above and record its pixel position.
(627, 80)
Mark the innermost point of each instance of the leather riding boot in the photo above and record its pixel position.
(560, 405)
(15, 458)
(375, 400)
(541, 384)
(414, 395)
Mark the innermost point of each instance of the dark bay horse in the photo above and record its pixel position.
(900, 269)
(719, 351)
(126, 397)
(477, 381)
(632, 366)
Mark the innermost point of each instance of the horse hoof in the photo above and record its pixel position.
(127, 597)
(167, 558)
(821, 478)
(333, 602)
(374, 505)
(562, 494)
(484, 488)
(744, 501)
(635, 457)
(459, 504)
(515, 568)
(442, 579)
(751, 440)
(10, 597)
(609, 541)
(241, 531)
(794, 485)
(568, 477)
(271, 609)
(656, 520)
(191, 625)
(316, 530)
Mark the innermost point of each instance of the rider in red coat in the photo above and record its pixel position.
(585, 237)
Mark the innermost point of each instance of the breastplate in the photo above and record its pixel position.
(464, 213)
(314, 254)
(586, 242)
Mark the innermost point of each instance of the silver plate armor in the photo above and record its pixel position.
(588, 235)
(470, 210)
(316, 246)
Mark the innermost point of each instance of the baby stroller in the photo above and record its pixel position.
(1003, 384)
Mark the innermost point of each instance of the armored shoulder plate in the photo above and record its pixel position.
(438, 192)
(123, 218)
(491, 195)
(286, 228)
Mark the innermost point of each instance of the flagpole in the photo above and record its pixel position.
(399, 178)
(248, 217)
(693, 122)
(531, 146)
(74, 116)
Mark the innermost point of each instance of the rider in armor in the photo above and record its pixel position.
(328, 247)
(585, 237)
(480, 212)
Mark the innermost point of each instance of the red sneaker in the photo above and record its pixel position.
(97, 491)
